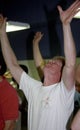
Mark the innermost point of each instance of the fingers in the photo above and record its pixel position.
(1, 18)
(38, 35)
(67, 15)
(59, 9)
(74, 7)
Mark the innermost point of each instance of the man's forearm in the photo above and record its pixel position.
(8, 53)
(69, 45)
(37, 54)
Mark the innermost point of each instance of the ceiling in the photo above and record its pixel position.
(31, 11)
(42, 15)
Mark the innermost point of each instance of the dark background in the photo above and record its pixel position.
(42, 15)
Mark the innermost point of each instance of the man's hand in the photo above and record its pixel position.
(38, 36)
(67, 15)
(2, 24)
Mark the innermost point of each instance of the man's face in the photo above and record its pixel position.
(52, 72)
(53, 65)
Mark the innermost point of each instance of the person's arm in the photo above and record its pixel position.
(8, 53)
(69, 45)
(10, 125)
(38, 59)
(76, 122)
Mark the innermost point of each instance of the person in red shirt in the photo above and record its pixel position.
(9, 103)
(1, 120)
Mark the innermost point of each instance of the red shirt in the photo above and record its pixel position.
(8, 101)
(1, 119)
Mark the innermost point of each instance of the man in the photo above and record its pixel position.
(49, 106)
(41, 64)
(9, 104)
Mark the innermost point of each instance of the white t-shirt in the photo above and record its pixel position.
(49, 107)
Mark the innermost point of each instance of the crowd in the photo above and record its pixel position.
(50, 101)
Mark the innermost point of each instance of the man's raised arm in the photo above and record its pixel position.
(38, 59)
(69, 45)
(8, 53)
